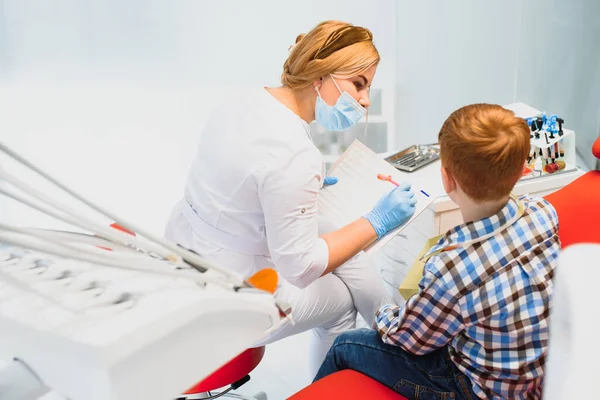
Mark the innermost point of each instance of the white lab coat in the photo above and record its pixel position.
(253, 187)
(251, 203)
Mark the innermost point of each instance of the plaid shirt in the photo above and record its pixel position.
(488, 300)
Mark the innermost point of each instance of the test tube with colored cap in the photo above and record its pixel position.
(561, 146)
(531, 153)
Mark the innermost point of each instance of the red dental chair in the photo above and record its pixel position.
(347, 385)
(578, 208)
(233, 374)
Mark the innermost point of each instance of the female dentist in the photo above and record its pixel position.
(251, 195)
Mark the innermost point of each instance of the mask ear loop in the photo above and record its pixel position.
(366, 127)
(319, 93)
(339, 134)
(339, 90)
(335, 83)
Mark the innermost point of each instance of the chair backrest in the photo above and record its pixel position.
(573, 333)
(578, 207)
(596, 148)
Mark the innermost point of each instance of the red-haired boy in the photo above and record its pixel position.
(478, 327)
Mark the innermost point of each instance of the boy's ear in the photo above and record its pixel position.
(448, 181)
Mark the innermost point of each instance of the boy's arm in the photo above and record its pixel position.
(428, 320)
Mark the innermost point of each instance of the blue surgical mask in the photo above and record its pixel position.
(343, 115)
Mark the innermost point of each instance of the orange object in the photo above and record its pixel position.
(120, 228)
(551, 168)
(265, 279)
(596, 148)
(388, 178)
(578, 207)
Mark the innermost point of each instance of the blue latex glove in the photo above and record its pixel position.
(330, 180)
(392, 210)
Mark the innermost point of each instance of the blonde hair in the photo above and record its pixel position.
(484, 146)
(332, 47)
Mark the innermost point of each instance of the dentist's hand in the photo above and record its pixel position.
(392, 210)
(330, 180)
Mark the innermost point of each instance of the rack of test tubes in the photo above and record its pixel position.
(552, 147)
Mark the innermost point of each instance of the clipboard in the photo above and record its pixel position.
(358, 189)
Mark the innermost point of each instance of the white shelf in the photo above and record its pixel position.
(522, 110)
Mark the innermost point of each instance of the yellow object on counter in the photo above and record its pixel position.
(410, 284)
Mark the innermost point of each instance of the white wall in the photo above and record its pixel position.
(541, 52)
(452, 53)
(559, 64)
(111, 96)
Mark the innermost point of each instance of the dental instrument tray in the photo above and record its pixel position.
(415, 157)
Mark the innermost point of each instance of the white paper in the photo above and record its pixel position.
(358, 189)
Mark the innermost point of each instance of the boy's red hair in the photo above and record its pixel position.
(484, 147)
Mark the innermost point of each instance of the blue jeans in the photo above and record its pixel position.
(431, 376)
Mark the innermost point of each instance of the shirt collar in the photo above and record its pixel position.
(473, 230)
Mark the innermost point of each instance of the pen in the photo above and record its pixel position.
(388, 178)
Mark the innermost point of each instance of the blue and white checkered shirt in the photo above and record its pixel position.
(488, 300)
